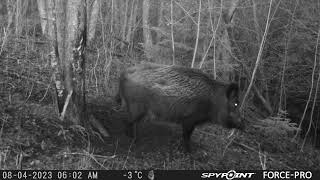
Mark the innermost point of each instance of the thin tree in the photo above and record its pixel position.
(214, 33)
(258, 57)
(125, 22)
(132, 20)
(311, 87)
(314, 98)
(282, 86)
(146, 29)
(171, 28)
(197, 39)
(92, 13)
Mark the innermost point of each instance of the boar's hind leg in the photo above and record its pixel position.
(136, 113)
(187, 129)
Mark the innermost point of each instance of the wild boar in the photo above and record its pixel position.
(180, 95)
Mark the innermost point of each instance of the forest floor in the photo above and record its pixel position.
(32, 137)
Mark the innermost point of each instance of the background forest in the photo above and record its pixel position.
(269, 47)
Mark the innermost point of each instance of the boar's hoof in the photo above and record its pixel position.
(187, 147)
(130, 132)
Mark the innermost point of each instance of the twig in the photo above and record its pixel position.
(4, 120)
(4, 39)
(29, 93)
(252, 149)
(214, 33)
(129, 150)
(45, 94)
(249, 148)
(186, 13)
(262, 162)
(230, 142)
(16, 75)
(93, 157)
(66, 105)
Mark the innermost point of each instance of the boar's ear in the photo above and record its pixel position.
(232, 91)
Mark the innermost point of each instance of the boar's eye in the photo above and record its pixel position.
(235, 104)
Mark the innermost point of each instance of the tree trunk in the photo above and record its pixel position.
(66, 31)
(197, 39)
(69, 71)
(93, 12)
(125, 22)
(42, 13)
(132, 20)
(261, 68)
(159, 19)
(20, 13)
(146, 29)
(10, 11)
(171, 29)
(46, 11)
(224, 49)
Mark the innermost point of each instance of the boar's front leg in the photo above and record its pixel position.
(188, 125)
(136, 113)
(187, 129)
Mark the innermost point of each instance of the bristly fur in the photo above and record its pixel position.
(178, 94)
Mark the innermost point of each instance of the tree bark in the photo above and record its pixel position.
(146, 29)
(67, 34)
(197, 39)
(132, 20)
(258, 58)
(159, 19)
(224, 48)
(42, 13)
(21, 9)
(171, 29)
(125, 22)
(93, 12)
(45, 8)
(10, 9)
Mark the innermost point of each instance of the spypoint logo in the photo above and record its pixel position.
(232, 174)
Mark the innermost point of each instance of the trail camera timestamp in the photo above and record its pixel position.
(56, 174)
